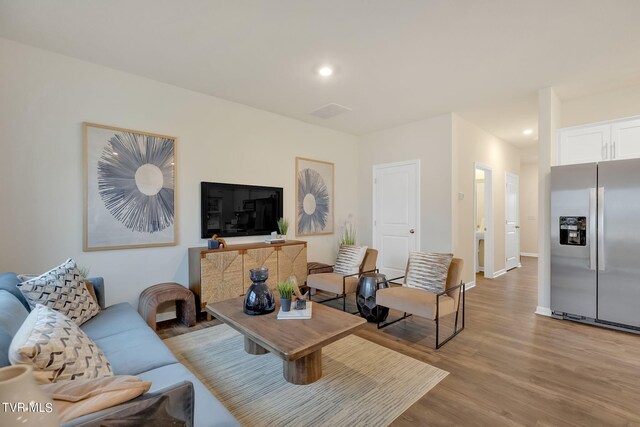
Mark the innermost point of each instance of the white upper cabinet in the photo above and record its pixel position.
(625, 139)
(598, 142)
(584, 144)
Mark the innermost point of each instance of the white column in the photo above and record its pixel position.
(549, 110)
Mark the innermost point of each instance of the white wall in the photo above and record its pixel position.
(549, 119)
(430, 141)
(529, 208)
(45, 97)
(603, 106)
(473, 144)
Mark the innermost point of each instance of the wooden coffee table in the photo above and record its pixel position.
(297, 342)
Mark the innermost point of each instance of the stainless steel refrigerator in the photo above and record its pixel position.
(595, 243)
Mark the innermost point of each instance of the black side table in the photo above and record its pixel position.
(368, 284)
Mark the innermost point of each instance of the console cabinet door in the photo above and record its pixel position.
(261, 257)
(584, 145)
(625, 139)
(221, 276)
(292, 260)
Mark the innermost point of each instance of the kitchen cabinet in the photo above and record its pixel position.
(619, 139)
(625, 139)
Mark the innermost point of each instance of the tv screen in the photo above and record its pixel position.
(230, 210)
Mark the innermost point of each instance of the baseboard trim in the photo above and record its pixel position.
(469, 285)
(543, 311)
(499, 273)
(531, 254)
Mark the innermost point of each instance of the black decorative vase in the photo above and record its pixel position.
(259, 299)
(368, 284)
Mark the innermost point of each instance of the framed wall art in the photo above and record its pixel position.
(314, 197)
(129, 188)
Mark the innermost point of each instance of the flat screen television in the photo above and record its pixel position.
(230, 210)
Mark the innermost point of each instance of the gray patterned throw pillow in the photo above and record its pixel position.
(349, 259)
(57, 348)
(63, 290)
(428, 271)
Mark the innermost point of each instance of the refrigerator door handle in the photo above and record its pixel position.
(592, 228)
(601, 254)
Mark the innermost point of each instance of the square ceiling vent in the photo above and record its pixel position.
(330, 110)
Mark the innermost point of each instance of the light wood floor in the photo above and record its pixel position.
(512, 367)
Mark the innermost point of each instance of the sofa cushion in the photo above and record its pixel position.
(113, 320)
(12, 315)
(136, 350)
(62, 289)
(9, 282)
(209, 412)
(56, 348)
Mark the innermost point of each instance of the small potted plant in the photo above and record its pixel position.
(286, 292)
(283, 227)
(348, 234)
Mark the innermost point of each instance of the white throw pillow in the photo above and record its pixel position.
(428, 271)
(349, 259)
(62, 289)
(57, 348)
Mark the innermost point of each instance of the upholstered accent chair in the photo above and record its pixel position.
(340, 284)
(427, 303)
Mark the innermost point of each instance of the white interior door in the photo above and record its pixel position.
(396, 214)
(512, 229)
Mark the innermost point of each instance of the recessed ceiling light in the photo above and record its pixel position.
(325, 71)
(527, 132)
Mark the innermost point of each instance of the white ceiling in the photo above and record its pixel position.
(398, 61)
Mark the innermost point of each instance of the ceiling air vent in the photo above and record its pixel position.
(330, 110)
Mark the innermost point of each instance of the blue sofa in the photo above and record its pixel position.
(130, 345)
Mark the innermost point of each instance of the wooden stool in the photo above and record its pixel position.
(155, 295)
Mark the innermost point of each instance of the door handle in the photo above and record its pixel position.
(601, 254)
(412, 231)
(592, 228)
(517, 226)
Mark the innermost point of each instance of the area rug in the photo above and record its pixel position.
(362, 383)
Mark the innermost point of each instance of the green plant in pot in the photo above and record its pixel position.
(283, 226)
(348, 234)
(286, 290)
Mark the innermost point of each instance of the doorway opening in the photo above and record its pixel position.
(483, 220)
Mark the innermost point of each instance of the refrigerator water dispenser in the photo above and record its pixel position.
(573, 230)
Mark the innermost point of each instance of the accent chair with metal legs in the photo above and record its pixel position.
(426, 303)
(341, 284)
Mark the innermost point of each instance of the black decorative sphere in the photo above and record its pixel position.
(259, 298)
(366, 296)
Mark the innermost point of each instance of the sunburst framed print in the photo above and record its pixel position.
(314, 197)
(129, 188)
